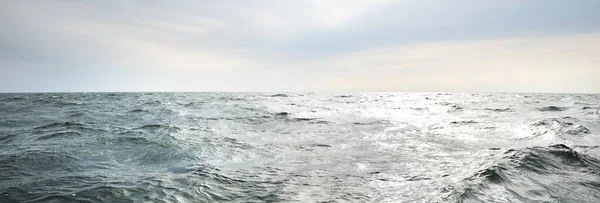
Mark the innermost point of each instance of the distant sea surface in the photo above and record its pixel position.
(299, 147)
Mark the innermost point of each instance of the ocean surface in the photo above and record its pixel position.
(299, 147)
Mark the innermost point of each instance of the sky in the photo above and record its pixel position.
(300, 45)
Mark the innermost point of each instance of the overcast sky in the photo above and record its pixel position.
(300, 45)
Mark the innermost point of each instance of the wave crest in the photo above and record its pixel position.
(540, 174)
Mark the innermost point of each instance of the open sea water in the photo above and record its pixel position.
(299, 147)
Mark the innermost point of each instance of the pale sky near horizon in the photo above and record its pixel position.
(300, 45)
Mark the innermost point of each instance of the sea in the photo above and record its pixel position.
(299, 147)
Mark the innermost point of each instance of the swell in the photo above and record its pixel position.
(204, 183)
(46, 190)
(245, 186)
(13, 99)
(560, 127)
(149, 145)
(539, 174)
(32, 162)
(60, 135)
(58, 131)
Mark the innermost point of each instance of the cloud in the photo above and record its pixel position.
(550, 64)
(382, 45)
(409, 22)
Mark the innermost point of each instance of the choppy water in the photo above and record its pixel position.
(245, 147)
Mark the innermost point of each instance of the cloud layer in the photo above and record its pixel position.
(356, 45)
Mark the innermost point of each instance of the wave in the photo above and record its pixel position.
(192, 104)
(67, 125)
(309, 120)
(463, 122)
(303, 119)
(87, 189)
(59, 131)
(282, 114)
(377, 122)
(313, 147)
(539, 174)
(453, 106)
(279, 95)
(138, 111)
(41, 190)
(456, 107)
(242, 187)
(133, 148)
(35, 161)
(500, 109)
(446, 104)
(13, 122)
(77, 115)
(69, 103)
(59, 135)
(559, 127)
(552, 108)
(152, 103)
(158, 127)
(7, 138)
(418, 108)
(13, 99)
(343, 96)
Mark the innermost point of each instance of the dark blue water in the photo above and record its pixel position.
(292, 147)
